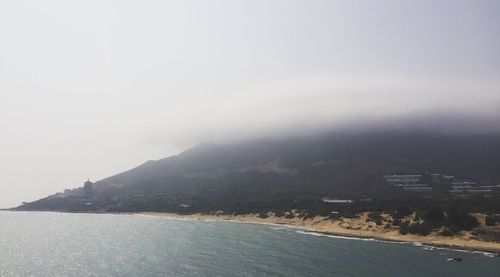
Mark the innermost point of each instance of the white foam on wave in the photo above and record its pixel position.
(333, 236)
(351, 238)
(431, 248)
(484, 253)
(417, 244)
(487, 254)
(280, 228)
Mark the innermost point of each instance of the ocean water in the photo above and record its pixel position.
(58, 244)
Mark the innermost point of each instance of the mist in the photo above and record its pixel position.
(94, 88)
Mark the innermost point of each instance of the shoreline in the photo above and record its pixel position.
(323, 226)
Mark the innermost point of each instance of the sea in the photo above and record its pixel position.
(64, 244)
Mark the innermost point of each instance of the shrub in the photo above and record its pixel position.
(349, 214)
(492, 220)
(458, 220)
(413, 228)
(375, 217)
(445, 232)
(403, 228)
(419, 228)
(403, 211)
(434, 216)
(489, 220)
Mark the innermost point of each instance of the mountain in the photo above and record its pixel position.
(264, 172)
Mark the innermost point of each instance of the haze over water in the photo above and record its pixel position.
(57, 244)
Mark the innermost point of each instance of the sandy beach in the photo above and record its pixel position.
(357, 227)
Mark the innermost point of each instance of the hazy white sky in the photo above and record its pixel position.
(92, 88)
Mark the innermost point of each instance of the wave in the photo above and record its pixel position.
(432, 248)
(280, 228)
(417, 244)
(333, 236)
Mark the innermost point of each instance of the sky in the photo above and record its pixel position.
(92, 88)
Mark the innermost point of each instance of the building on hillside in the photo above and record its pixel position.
(441, 185)
(402, 180)
(418, 188)
(87, 188)
(336, 201)
(464, 183)
(409, 183)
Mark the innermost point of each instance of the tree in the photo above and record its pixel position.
(433, 216)
(403, 228)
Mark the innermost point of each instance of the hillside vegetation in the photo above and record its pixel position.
(284, 173)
